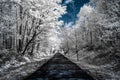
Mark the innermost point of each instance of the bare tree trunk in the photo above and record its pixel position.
(32, 50)
(38, 47)
(33, 37)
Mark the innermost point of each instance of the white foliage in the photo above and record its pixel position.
(85, 10)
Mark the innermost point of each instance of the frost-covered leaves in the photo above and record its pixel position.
(29, 22)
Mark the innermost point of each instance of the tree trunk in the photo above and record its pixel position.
(33, 37)
(32, 50)
(77, 55)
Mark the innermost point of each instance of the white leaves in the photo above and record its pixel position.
(85, 10)
(48, 10)
(83, 15)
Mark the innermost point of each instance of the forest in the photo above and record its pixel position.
(31, 30)
(97, 29)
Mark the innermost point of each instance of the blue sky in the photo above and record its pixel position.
(73, 8)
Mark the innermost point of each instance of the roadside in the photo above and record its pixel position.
(99, 72)
(21, 70)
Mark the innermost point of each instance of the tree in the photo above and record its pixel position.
(28, 23)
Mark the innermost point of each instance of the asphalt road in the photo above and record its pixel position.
(59, 68)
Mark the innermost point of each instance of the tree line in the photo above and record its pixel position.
(97, 28)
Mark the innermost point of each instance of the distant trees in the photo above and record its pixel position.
(66, 42)
(25, 25)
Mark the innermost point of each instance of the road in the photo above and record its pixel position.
(59, 68)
